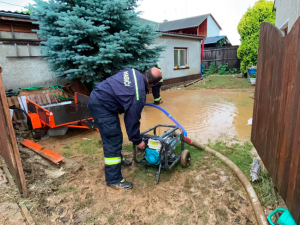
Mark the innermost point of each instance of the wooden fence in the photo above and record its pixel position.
(276, 119)
(221, 55)
(8, 143)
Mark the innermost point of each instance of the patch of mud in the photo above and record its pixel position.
(10, 213)
(205, 193)
(43, 177)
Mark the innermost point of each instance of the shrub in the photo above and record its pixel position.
(211, 69)
(222, 69)
(249, 28)
(234, 71)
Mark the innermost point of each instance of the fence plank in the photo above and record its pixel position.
(290, 108)
(221, 55)
(295, 152)
(9, 147)
(276, 114)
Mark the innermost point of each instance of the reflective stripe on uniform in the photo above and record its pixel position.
(157, 99)
(136, 86)
(112, 161)
(160, 71)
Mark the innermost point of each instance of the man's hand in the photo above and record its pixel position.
(142, 145)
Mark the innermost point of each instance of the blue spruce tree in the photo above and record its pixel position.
(93, 39)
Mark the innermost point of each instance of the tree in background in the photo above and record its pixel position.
(249, 28)
(29, 9)
(94, 39)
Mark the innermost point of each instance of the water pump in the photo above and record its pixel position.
(160, 150)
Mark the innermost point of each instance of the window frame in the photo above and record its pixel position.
(186, 57)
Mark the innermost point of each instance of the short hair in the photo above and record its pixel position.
(152, 79)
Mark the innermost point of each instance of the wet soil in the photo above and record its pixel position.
(205, 193)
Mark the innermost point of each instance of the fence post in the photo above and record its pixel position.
(8, 143)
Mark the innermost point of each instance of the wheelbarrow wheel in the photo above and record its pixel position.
(185, 158)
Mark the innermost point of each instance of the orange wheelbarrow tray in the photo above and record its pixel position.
(70, 114)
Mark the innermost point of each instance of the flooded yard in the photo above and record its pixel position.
(205, 114)
(205, 193)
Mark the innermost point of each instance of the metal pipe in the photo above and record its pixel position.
(259, 212)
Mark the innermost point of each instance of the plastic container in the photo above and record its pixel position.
(286, 217)
(253, 81)
(251, 71)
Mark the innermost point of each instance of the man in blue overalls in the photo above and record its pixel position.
(124, 92)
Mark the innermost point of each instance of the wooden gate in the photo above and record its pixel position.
(276, 119)
(221, 55)
(8, 144)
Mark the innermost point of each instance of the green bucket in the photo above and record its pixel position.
(286, 217)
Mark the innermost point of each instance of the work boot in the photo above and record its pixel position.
(125, 162)
(158, 102)
(123, 184)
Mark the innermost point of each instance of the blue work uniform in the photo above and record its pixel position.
(124, 92)
(156, 89)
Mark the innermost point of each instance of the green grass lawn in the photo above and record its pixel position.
(222, 82)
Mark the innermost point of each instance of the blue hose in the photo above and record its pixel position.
(171, 117)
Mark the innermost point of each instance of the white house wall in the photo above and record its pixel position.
(24, 72)
(287, 11)
(166, 61)
(27, 72)
(212, 28)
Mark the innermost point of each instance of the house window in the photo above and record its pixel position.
(180, 57)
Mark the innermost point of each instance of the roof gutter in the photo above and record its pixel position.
(15, 15)
(182, 36)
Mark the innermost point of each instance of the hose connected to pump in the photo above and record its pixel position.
(259, 212)
(171, 117)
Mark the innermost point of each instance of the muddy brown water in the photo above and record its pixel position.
(205, 114)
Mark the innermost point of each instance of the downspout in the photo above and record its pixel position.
(202, 51)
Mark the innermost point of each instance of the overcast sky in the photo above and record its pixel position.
(227, 12)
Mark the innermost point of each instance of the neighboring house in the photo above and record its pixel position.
(204, 25)
(181, 60)
(215, 42)
(24, 66)
(20, 54)
(182, 51)
(287, 13)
